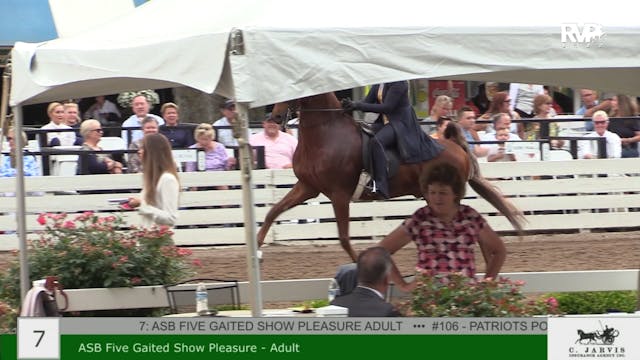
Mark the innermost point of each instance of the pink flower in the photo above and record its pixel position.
(184, 252)
(69, 225)
(552, 302)
(42, 219)
(196, 262)
(136, 280)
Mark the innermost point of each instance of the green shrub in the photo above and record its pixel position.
(456, 295)
(89, 251)
(596, 302)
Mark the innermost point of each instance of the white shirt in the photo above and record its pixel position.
(493, 148)
(165, 212)
(225, 136)
(106, 108)
(614, 145)
(67, 138)
(522, 96)
(135, 121)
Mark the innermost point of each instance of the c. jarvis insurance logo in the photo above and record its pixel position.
(597, 343)
(593, 337)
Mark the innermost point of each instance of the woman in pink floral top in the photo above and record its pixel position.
(446, 232)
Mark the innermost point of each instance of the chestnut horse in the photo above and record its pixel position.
(328, 160)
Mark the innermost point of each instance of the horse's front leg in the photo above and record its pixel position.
(341, 210)
(296, 196)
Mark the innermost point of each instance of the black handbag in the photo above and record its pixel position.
(48, 297)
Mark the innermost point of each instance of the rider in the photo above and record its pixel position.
(396, 126)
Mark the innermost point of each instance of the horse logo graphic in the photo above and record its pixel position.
(605, 337)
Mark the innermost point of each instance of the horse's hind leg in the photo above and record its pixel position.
(296, 196)
(341, 210)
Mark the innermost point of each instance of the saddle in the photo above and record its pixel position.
(391, 155)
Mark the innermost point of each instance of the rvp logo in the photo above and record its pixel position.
(581, 34)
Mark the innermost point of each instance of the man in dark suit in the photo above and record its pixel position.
(367, 299)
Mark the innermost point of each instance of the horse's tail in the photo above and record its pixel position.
(483, 187)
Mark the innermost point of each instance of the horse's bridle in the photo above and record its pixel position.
(293, 107)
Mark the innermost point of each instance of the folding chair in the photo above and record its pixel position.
(182, 296)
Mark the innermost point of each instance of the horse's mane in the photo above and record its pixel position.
(453, 132)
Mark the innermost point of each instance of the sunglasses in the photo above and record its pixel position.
(600, 122)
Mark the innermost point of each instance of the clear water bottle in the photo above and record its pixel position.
(202, 300)
(334, 290)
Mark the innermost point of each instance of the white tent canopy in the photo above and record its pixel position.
(293, 49)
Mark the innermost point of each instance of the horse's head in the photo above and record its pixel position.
(282, 111)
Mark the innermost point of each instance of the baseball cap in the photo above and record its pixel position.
(228, 104)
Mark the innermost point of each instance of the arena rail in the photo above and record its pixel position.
(300, 290)
(576, 195)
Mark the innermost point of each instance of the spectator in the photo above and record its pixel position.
(441, 125)
(522, 96)
(8, 166)
(590, 105)
(216, 157)
(442, 107)
(225, 136)
(499, 152)
(91, 132)
(72, 119)
(179, 137)
(535, 130)
(367, 299)
(500, 121)
(140, 106)
(278, 145)
(555, 107)
(104, 111)
(159, 198)
(446, 232)
(589, 101)
(629, 128)
(466, 120)
(586, 150)
(149, 126)
(55, 111)
(500, 104)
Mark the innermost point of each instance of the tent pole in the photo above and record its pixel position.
(241, 132)
(4, 101)
(20, 204)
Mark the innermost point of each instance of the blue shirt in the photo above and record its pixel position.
(30, 166)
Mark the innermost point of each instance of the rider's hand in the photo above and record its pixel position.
(348, 104)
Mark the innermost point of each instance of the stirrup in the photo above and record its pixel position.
(363, 183)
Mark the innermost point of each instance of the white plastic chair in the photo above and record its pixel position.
(559, 155)
(64, 165)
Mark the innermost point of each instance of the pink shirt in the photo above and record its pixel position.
(446, 247)
(278, 152)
